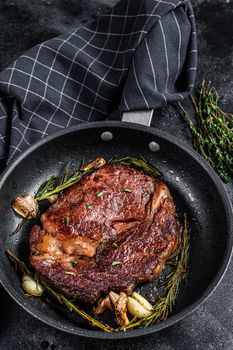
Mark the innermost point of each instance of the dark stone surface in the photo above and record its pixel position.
(25, 23)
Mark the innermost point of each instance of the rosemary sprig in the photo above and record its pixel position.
(138, 163)
(58, 296)
(171, 285)
(50, 186)
(47, 186)
(212, 134)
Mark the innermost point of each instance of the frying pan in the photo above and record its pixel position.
(194, 185)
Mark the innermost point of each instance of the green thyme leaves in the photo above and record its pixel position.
(127, 190)
(115, 245)
(212, 131)
(103, 243)
(100, 194)
(116, 263)
(74, 263)
(70, 273)
(68, 221)
(145, 194)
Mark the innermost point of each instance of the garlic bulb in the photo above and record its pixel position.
(26, 206)
(30, 286)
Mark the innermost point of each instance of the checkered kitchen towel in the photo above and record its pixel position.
(141, 55)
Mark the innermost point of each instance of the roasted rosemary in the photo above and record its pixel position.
(51, 186)
(178, 264)
(212, 132)
(138, 163)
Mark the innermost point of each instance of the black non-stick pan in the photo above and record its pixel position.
(194, 186)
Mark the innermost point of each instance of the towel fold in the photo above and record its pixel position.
(141, 55)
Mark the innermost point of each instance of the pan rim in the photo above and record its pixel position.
(173, 319)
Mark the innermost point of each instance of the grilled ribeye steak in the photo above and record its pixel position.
(113, 230)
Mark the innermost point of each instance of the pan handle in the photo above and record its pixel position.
(139, 117)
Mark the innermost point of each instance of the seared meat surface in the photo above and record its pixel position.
(112, 231)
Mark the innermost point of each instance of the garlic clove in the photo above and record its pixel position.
(121, 309)
(136, 309)
(26, 206)
(113, 297)
(31, 287)
(142, 301)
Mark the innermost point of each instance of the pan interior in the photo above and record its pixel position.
(192, 187)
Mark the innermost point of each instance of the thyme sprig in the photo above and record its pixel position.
(165, 303)
(213, 133)
(138, 163)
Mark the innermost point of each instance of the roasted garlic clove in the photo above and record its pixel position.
(136, 309)
(102, 306)
(26, 206)
(121, 309)
(31, 287)
(142, 301)
(113, 297)
(136, 305)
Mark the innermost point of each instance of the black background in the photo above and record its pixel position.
(25, 23)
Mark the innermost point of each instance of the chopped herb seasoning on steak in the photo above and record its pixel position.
(112, 231)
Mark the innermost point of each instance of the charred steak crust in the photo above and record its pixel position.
(112, 231)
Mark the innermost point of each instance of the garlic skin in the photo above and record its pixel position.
(119, 302)
(102, 306)
(121, 309)
(31, 287)
(142, 301)
(136, 309)
(26, 206)
(113, 297)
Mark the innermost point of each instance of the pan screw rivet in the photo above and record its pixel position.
(106, 136)
(154, 146)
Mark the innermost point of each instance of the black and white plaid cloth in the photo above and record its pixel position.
(139, 56)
